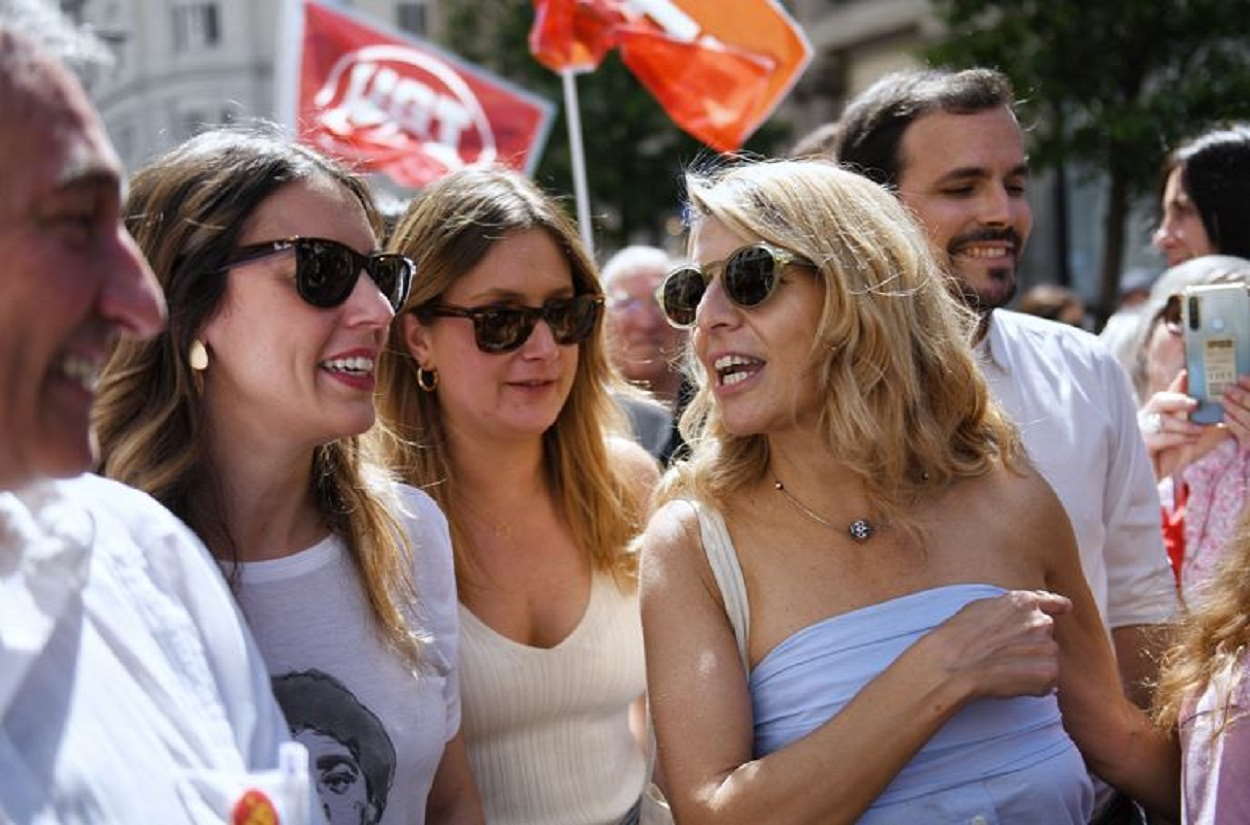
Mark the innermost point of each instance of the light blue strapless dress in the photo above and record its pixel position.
(1005, 761)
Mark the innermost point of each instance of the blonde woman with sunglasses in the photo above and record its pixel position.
(495, 386)
(246, 418)
(851, 593)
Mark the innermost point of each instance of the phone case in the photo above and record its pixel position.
(1216, 321)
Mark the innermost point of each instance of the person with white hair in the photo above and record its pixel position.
(643, 346)
(1203, 470)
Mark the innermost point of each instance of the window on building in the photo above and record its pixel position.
(191, 118)
(123, 135)
(191, 122)
(410, 16)
(196, 25)
(73, 10)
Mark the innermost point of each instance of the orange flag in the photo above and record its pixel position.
(718, 67)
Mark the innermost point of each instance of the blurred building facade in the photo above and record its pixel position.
(183, 65)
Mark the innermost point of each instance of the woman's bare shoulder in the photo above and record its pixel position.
(672, 544)
(1032, 495)
(635, 465)
(1010, 514)
(1022, 502)
(672, 528)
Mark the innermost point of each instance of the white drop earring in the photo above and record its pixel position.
(198, 356)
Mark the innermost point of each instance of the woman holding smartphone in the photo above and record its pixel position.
(1204, 202)
(845, 592)
(1203, 470)
(495, 385)
(245, 417)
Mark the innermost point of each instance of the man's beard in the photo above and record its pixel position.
(1002, 279)
(983, 301)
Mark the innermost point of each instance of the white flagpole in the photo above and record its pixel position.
(574, 116)
(290, 45)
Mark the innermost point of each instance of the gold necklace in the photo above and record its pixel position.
(860, 530)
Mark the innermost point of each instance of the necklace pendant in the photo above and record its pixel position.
(861, 530)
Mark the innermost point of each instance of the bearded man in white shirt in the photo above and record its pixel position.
(130, 691)
(948, 144)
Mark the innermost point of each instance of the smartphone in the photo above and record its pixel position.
(1216, 322)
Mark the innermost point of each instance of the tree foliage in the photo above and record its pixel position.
(1111, 84)
(634, 152)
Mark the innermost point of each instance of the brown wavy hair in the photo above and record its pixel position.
(1212, 635)
(905, 407)
(447, 231)
(187, 211)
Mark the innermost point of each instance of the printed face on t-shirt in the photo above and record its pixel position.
(350, 753)
(341, 784)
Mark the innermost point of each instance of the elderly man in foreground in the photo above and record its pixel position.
(130, 690)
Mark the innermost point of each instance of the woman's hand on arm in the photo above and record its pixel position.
(702, 708)
(453, 798)
(1002, 647)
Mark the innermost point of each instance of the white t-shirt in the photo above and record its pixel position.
(375, 730)
(1075, 411)
(130, 689)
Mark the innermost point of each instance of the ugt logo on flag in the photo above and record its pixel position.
(400, 106)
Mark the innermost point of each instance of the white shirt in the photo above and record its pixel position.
(130, 689)
(375, 729)
(1074, 408)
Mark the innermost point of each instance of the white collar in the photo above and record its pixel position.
(993, 347)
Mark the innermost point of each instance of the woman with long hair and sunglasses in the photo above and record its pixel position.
(1203, 470)
(245, 418)
(848, 590)
(495, 388)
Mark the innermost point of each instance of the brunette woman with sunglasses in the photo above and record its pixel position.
(247, 416)
(495, 386)
(850, 589)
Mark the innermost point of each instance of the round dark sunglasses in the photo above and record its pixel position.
(1171, 315)
(326, 271)
(502, 328)
(750, 276)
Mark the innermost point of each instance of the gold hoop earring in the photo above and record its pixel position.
(198, 356)
(427, 379)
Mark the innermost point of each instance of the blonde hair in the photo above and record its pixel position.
(447, 231)
(905, 407)
(1211, 636)
(187, 211)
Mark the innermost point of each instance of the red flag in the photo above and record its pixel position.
(398, 105)
(719, 67)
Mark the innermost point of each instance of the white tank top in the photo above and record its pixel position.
(547, 729)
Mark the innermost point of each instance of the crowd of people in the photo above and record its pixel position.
(306, 520)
